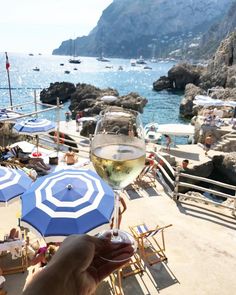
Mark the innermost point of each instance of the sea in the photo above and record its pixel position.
(162, 107)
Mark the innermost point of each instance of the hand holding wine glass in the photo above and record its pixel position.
(118, 155)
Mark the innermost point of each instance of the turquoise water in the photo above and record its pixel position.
(162, 107)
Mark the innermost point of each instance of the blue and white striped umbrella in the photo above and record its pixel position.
(9, 116)
(34, 126)
(67, 202)
(13, 182)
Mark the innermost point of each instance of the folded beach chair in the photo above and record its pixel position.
(151, 243)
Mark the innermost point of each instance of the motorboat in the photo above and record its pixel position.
(74, 61)
(151, 133)
(133, 62)
(147, 68)
(36, 69)
(67, 72)
(140, 61)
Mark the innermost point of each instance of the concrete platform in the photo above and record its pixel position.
(200, 246)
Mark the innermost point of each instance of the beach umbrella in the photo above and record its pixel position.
(67, 202)
(9, 116)
(204, 100)
(13, 182)
(34, 126)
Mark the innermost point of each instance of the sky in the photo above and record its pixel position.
(39, 26)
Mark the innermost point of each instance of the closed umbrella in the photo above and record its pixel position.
(67, 202)
(13, 182)
(34, 126)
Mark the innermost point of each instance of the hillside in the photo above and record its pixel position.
(130, 28)
(217, 32)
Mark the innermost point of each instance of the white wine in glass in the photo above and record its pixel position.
(118, 156)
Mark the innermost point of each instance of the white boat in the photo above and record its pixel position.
(74, 60)
(141, 61)
(133, 62)
(151, 133)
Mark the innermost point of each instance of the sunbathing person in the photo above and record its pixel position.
(44, 255)
(70, 157)
(38, 165)
(13, 235)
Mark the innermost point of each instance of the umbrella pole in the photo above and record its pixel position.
(58, 124)
(36, 110)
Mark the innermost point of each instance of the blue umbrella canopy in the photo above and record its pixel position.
(34, 126)
(10, 116)
(13, 182)
(67, 202)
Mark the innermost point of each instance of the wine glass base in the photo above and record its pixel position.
(116, 237)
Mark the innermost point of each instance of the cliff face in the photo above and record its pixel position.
(217, 32)
(129, 28)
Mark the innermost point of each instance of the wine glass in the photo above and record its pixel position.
(118, 156)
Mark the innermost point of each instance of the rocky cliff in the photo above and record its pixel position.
(211, 40)
(219, 74)
(130, 28)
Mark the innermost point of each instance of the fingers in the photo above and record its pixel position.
(108, 261)
(119, 258)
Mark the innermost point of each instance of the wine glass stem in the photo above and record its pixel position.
(116, 212)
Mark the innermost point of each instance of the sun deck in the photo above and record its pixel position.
(199, 246)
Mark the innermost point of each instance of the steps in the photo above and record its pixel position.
(227, 143)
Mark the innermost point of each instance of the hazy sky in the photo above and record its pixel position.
(41, 25)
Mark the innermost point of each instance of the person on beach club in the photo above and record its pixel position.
(168, 142)
(77, 266)
(208, 143)
(70, 157)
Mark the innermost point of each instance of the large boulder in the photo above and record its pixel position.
(226, 165)
(89, 99)
(63, 90)
(183, 74)
(186, 108)
(163, 83)
(179, 76)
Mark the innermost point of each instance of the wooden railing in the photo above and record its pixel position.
(171, 180)
(179, 183)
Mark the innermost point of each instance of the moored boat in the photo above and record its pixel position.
(151, 132)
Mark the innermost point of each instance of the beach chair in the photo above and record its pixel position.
(146, 178)
(115, 280)
(151, 243)
(132, 267)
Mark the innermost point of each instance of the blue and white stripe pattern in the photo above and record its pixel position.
(143, 229)
(13, 182)
(6, 115)
(67, 202)
(34, 126)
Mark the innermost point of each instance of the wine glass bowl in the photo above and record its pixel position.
(118, 156)
(118, 147)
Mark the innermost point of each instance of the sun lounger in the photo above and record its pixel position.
(146, 178)
(151, 243)
(115, 280)
(132, 267)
